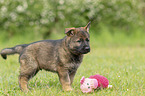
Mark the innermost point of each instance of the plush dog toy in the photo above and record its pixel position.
(93, 82)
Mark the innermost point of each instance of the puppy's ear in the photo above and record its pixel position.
(88, 26)
(69, 31)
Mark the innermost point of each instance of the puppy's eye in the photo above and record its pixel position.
(79, 41)
(87, 40)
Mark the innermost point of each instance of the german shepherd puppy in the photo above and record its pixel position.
(62, 56)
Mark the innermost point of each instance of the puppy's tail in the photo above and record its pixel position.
(13, 50)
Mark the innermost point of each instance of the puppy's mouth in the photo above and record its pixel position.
(85, 51)
(82, 51)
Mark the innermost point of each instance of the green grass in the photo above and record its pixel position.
(123, 66)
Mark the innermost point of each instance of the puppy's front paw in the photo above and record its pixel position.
(67, 88)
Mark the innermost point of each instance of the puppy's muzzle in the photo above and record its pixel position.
(86, 50)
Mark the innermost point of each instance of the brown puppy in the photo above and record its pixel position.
(61, 56)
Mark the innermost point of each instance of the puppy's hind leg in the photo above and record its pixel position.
(28, 69)
(23, 82)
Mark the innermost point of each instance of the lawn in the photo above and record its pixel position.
(123, 66)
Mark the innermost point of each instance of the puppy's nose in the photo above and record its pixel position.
(87, 48)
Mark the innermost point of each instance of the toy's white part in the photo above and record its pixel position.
(109, 86)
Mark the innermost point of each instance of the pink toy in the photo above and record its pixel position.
(93, 82)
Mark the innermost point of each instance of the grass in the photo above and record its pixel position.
(121, 62)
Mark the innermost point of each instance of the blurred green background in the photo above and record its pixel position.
(114, 22)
